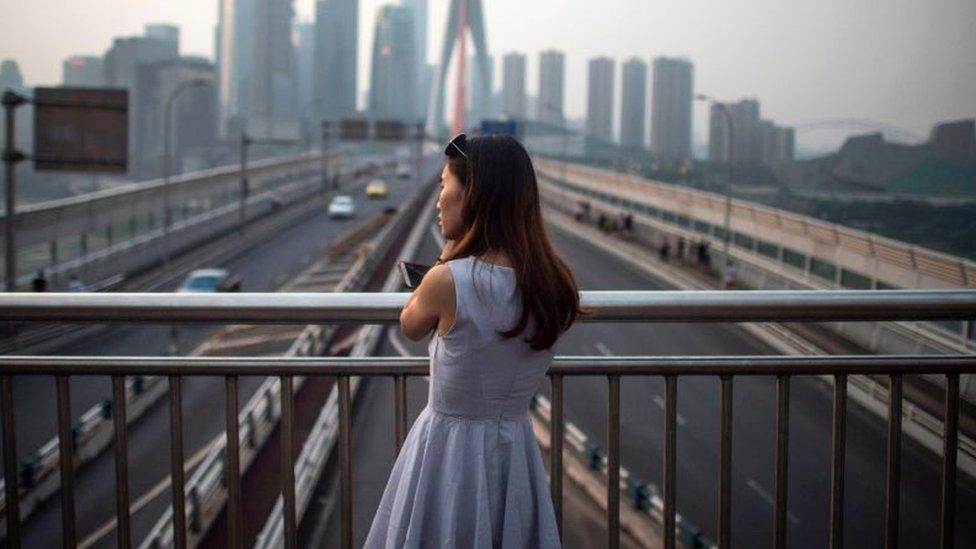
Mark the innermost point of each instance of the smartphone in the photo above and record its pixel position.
(412, 273)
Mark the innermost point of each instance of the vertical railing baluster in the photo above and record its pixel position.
(725, 464)
(121, 462)
(345, 461)
(400, 410)
(613, 462)
(670, 446)
(949, 449)
(11, 480)
(780, 481)
(893, 461)
(838, 451)
(233, 455)
(66, 458)
(176, 460)
(556, 450)
(288, 461)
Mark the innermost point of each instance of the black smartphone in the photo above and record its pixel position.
(412, 273)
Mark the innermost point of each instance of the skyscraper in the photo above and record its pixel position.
(393, 81)
(164, 32)
(671, 110)
(479, 94)
(235, 63)
(599, 99)
(83, 71)
(304, 66)
(551, 84)
(336, 51)
(513, 86)
(272, 98)
(419, 12)
(632, 103)
(747, 133)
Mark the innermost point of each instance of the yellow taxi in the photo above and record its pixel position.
(377, 189)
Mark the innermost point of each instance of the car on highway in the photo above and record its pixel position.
(403, 171)
(209, 281)
(342, 206)
(377, 188)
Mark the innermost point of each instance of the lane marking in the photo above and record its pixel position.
(149, 495)
(602, 347)
(768, 498)
(659, 400)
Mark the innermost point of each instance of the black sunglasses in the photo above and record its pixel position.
(457, 146)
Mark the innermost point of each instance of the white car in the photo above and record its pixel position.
(208, 281)
(342, 206)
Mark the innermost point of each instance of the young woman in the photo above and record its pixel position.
(470, 473)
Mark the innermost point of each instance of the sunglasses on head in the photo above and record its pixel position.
(457, 146)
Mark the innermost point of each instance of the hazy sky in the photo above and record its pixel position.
(908, 63)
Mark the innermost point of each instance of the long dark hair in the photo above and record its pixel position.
(501, 213)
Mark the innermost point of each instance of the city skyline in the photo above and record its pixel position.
(725, 43)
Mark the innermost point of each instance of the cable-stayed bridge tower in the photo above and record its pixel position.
(464, 16)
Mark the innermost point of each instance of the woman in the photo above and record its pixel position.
(470, 473)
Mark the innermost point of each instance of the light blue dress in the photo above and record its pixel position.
(470, 473)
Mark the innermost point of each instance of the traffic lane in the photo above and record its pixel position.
(198, 392)
(753, 428)
(263, 268)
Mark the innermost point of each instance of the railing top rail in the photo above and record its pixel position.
(418, 366)
(612, 306)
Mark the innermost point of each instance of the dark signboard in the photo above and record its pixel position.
(353, 129)
(507, 127)
(81, 129)
(389, 130)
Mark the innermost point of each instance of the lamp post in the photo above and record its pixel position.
(167, 116)
(727, 115)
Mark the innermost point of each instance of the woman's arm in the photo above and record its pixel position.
(431, 301)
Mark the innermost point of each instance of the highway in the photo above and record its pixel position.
(698, 434)
(264, 267)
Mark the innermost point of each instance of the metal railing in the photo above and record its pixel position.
(384, 308)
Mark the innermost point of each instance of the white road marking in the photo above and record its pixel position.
(659, 400)
(149, 495)
(602, 347)
(768, 498)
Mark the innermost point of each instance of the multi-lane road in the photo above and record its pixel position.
(264, 267)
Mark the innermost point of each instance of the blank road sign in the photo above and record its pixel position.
(81, 129)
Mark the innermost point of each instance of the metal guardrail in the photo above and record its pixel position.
(605, 306)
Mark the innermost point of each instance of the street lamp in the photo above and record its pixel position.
(726, 235)
(167, 115)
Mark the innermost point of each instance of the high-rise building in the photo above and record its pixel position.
(10, 76)
(121, 71)
(599, 99)
(164, 32)
(671, 110)
(86, 71)
(393, 82)
(418, 9)
(272, 112)
(632, 103)
(513, 86)
(336, 51)
(479, 94)
(304, 66)
(747, 133)
(777, 143)
(551, 84)
(235, 63)
(193, 129)
(717, 135)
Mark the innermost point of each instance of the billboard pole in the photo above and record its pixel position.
(11, 157)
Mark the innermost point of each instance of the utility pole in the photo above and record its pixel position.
(244, 144)
(11, 156)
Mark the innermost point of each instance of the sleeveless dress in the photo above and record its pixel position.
(470, 473)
